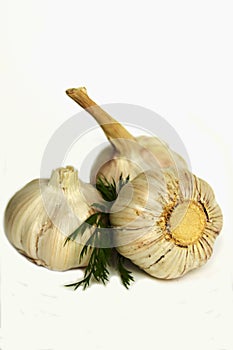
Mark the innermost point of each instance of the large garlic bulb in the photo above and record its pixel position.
(130, 155)
(166, 219)
(166, 222)
(42, 214)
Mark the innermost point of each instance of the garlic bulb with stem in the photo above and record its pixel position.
(40, 216)
(169, 225)
(166, 219)
(132, 155)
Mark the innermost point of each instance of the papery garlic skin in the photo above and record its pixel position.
(164, 155)
(42, 214)
(114, 168)
(169, 225)
(132, 157)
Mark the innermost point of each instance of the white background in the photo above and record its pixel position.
(174, 57)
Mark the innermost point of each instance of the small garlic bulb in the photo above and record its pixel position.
(130, 155)
(42, 214)
(166, 223)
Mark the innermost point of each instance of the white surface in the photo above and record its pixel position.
(174, 57)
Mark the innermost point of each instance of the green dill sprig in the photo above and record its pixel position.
(91, 221)
(101, 258)
(126, 275)
(110, 190)
(96, 268)
(107, 189)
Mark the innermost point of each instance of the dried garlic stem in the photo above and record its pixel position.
(112, 129)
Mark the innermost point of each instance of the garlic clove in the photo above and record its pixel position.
(43, 213)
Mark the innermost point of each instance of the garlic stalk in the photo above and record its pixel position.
(131, 155)
(40, 216)
(169, 225)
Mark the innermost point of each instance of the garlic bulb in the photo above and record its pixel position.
(42, 214)
(166, 222)
(165, 219)
(134, 157)
(131, 155)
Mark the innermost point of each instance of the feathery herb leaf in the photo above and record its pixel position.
(92, 220)
(126, 275)
(101, 257)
